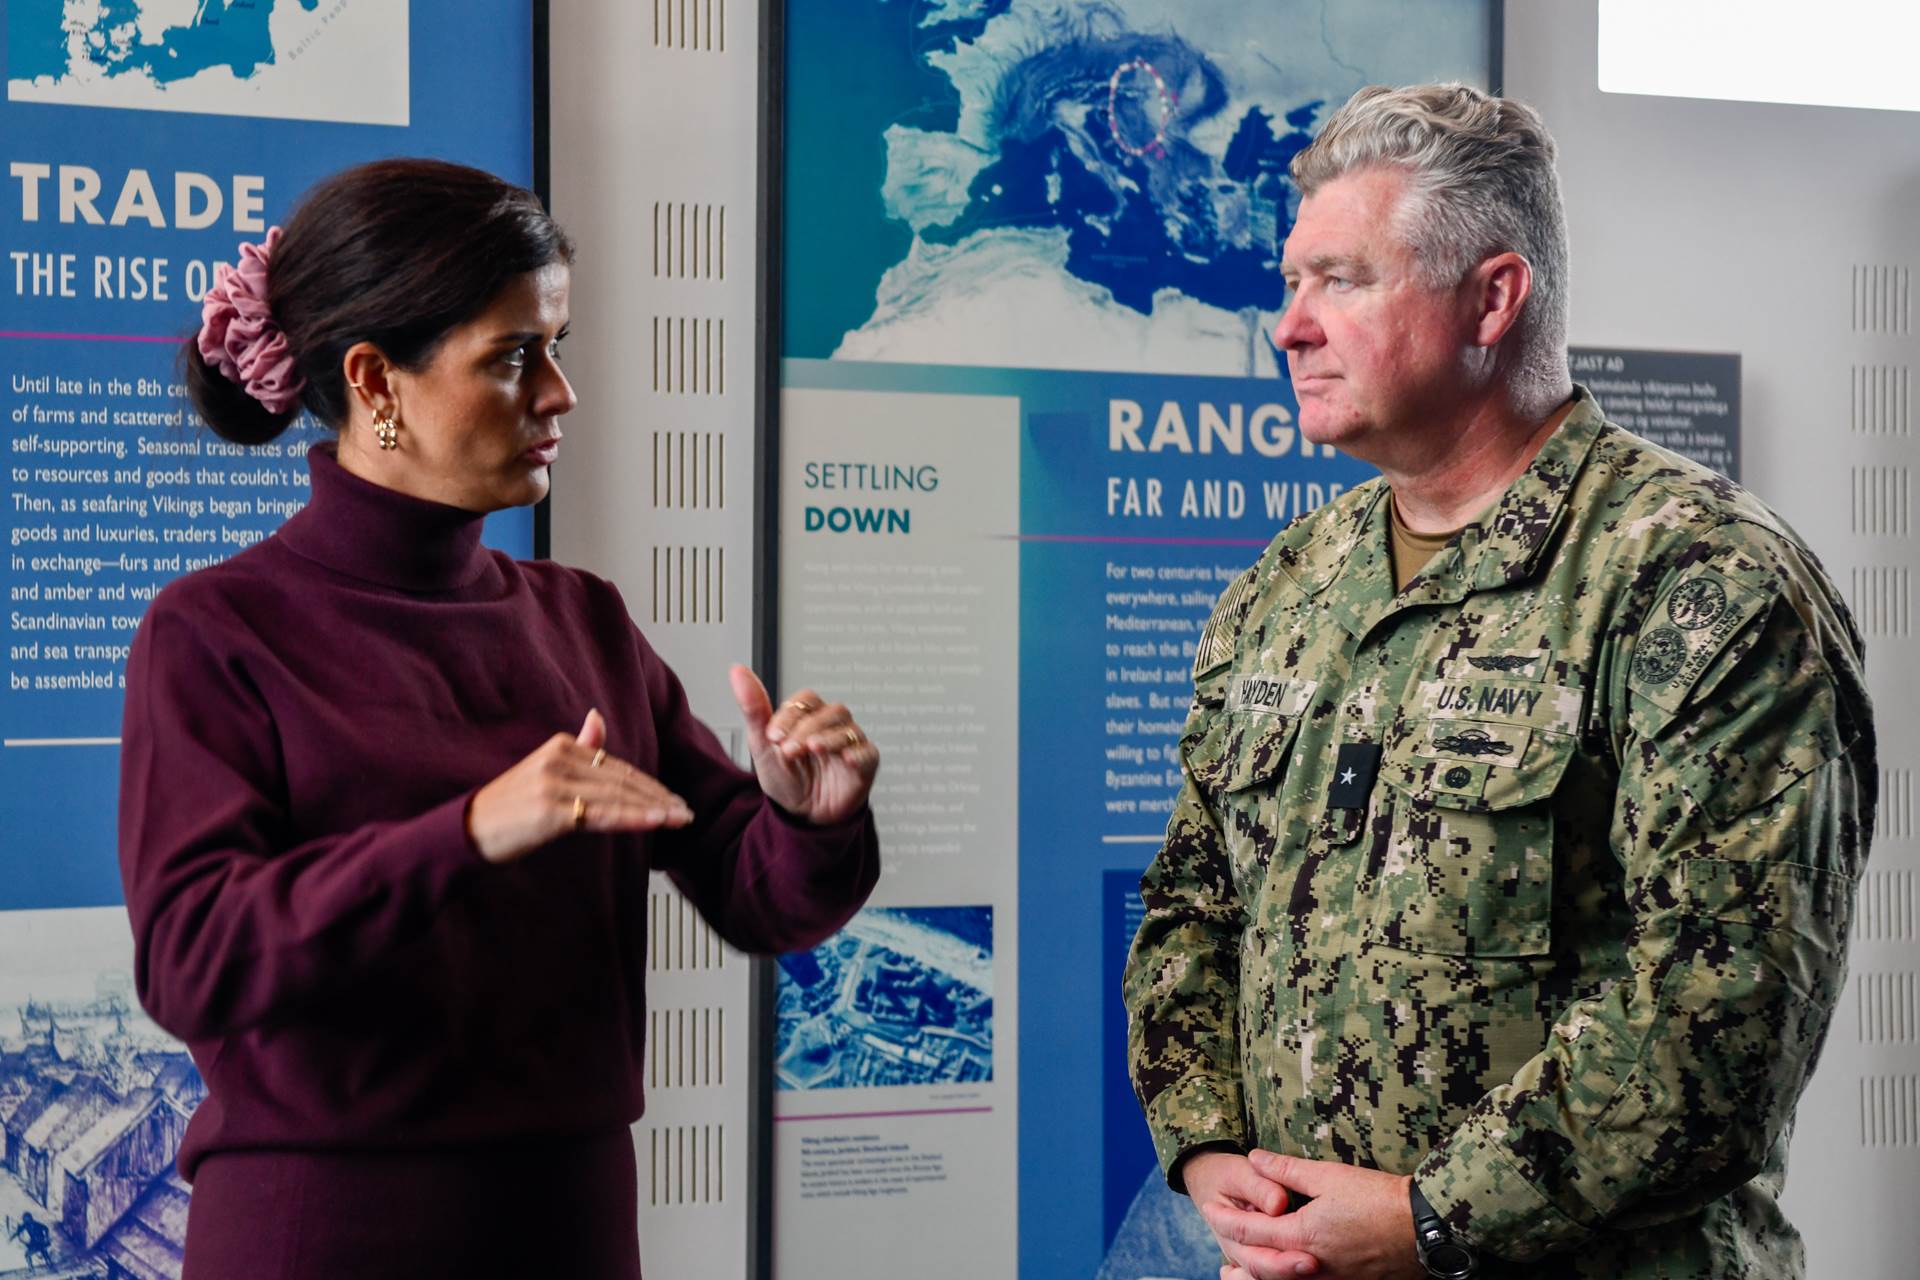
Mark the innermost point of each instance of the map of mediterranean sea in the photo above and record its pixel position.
(1096, 184)
(280, 58)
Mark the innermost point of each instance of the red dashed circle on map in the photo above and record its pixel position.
(1139, 105)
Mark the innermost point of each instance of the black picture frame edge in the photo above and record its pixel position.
(542, 59)
(1497, 47)
(768, 249)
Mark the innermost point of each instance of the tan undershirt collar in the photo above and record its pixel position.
(1411, 551)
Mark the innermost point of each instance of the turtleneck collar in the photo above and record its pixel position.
(381, 535)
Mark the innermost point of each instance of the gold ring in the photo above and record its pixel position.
(853, 736)
(801, 704)
(579, 812)
(598, 757)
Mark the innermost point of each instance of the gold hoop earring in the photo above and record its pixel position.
(387, 428)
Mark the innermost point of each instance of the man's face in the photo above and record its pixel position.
(1372, 350)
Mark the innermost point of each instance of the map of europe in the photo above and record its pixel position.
(1097, 184)
(55, 38)
(288, 59)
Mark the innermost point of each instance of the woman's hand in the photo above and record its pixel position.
(569, 784)
(811, 758)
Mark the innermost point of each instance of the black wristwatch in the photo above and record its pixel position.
(1444, 1257)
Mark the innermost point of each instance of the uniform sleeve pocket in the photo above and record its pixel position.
(1811, 902)
(1468, 869)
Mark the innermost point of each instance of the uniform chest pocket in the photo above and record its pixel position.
(1468, 868)
(1242, 763)
(1239, 751)
(1259, 753)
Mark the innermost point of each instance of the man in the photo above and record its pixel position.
(1525, 787)
(36, 1240)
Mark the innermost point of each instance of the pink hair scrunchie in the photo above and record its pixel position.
(238, 335)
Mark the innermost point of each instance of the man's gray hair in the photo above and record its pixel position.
(1481, 182)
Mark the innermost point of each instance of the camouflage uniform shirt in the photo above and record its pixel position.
(1533, 879)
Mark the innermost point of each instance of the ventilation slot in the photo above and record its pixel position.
(689, 584)
(1889, 1007)
(678, 940)
(1884, 910)
(689, 241)
(1882, 600)
(1882, 499)
(686, 1048)
(699, 25)
(686, 1164)
(1882, 399)
(1890, 1111)
(1895, 818)
(1882, 299)
(689, 356)
(690, 470)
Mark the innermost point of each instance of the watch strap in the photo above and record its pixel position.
(1423, 1212)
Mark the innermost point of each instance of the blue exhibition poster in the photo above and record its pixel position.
(1032, 423)
(145, 141)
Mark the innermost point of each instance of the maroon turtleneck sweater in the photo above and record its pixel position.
(305, 725)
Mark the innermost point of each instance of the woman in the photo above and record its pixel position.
(389, 799)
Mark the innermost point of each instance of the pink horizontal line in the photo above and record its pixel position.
(87, 337)
(878, 1115)
(1158, 542)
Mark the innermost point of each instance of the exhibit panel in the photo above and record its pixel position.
(145, 143)
(1031, 424)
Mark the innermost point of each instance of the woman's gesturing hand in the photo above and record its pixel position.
(569, 784)
(811, 758)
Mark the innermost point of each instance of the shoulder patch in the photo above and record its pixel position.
(1216, 640)
(1690, 626)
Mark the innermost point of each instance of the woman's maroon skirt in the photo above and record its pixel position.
(559, 1207)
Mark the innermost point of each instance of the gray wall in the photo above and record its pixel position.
(1766, 230)
(655, 151)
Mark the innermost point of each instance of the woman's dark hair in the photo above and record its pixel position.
(396, 253)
